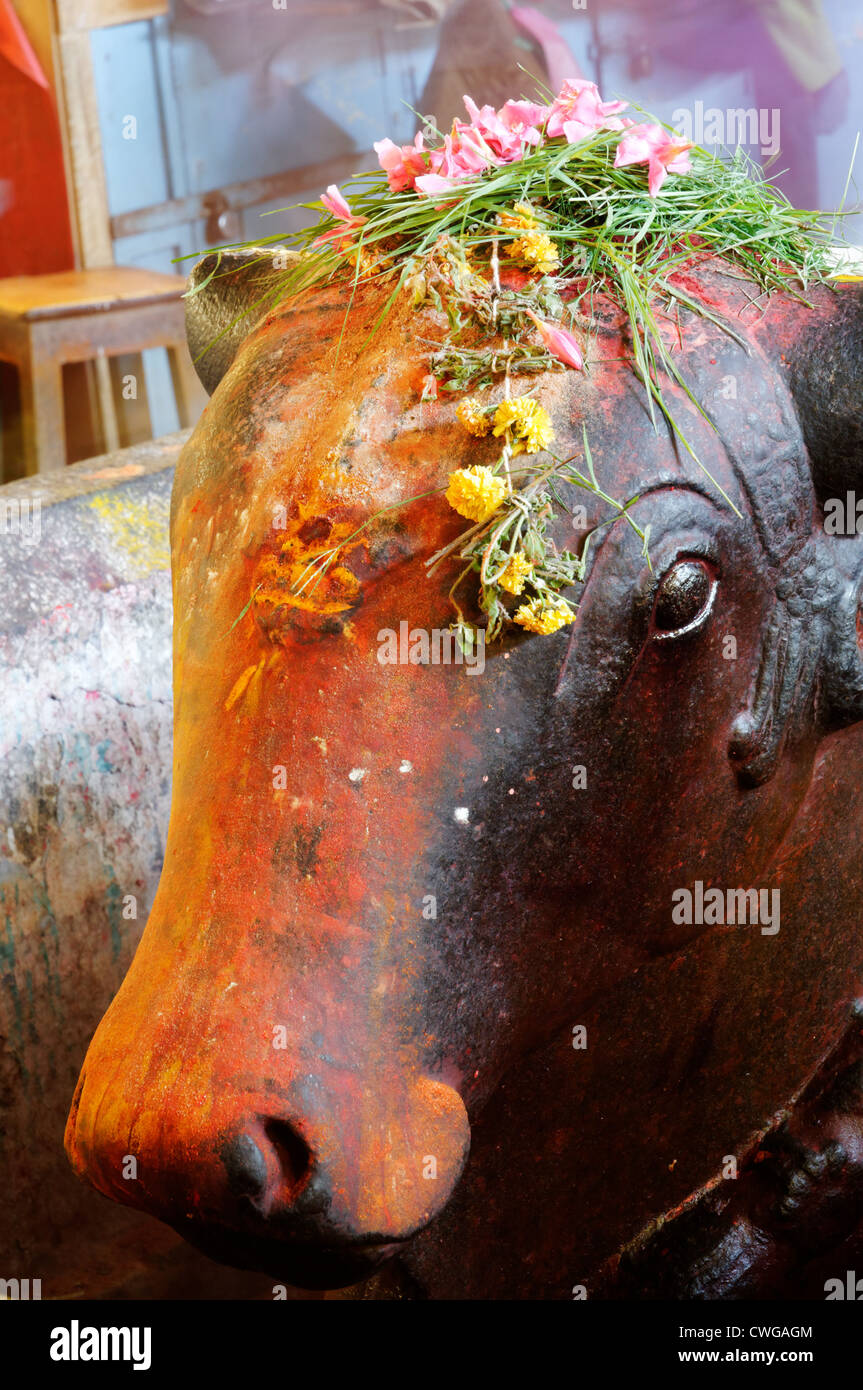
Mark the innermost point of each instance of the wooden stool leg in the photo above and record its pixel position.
(43, 431)
(10, 435)
(107, 412)
(188, 391)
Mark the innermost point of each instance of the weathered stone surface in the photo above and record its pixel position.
(85, 772)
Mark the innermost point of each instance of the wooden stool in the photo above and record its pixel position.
(85, 315)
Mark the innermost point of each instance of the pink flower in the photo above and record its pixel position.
(524, 114)
(486, 123)
(578, 111)
(489, 139)
(507, 132)
(578, 130)
(337, 205)
(559, 341)
(432, 184)
(465, 153)
(663, 152)
(402, 164)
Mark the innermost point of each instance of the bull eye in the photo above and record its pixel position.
(684, 598)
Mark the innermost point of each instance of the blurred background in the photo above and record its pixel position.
(133, 132)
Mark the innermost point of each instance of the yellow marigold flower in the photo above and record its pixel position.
(522, 216)
(473, 417)
(517, 571)
(475, 492)
(368, 260)
(543, 617)
(535, 251)
(529, 425)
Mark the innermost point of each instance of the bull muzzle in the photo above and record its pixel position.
(317, 1191)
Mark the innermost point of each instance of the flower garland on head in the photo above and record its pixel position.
(573, 197)
(493, 138)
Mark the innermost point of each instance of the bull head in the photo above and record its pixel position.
(392, 892)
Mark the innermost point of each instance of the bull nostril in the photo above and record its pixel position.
(253, 1162)
(292, 1150)
(245, 1166)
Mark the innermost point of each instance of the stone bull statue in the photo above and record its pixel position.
(430, 978)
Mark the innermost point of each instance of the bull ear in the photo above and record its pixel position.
(228, 293)
(825, 362)
(825, 373)
(843, 654)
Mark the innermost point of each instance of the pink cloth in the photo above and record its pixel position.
(558, 55)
